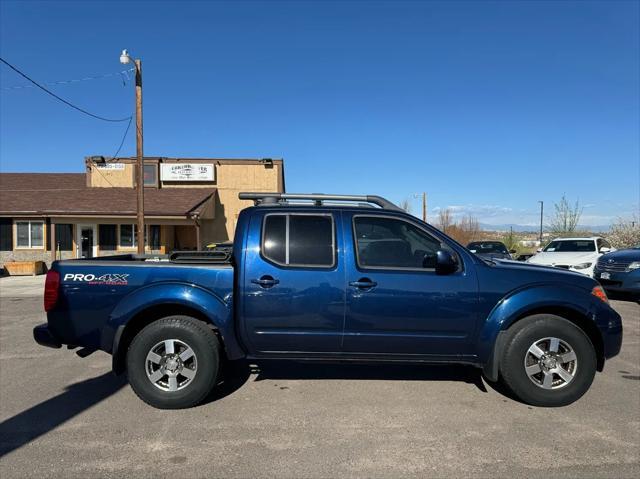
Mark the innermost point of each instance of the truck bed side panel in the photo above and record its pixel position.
(96, 297)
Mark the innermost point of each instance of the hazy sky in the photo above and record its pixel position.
(487, 106)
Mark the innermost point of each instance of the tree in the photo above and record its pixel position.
(406, 205)
(463, 231)
(445, 219)
(625, 233)
(466, 231)
(566, 218)
(511, 240)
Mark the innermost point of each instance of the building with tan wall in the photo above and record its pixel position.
(189, 203)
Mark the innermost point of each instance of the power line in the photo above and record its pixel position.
(116, 153)
(124, 74)
(62, 99)
(123, 137)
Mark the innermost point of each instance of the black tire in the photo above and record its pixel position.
(187, 331)
(526, 332)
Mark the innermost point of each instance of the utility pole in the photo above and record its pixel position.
(541, 211)
(140, 157)
(125, 59)
(424, 206)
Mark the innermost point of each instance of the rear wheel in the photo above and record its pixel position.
(548, 361)
(173, 362)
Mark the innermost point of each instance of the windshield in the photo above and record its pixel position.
(486, 247)
(565, 246)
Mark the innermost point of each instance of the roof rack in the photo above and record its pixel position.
(276, 198)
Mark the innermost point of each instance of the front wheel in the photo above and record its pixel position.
(173, 362)
(548, 361)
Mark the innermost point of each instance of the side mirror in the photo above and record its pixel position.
(512, 251)
(446, 262)
(604, 249)
(539, 250)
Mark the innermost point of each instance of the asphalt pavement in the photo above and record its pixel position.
(62, 416)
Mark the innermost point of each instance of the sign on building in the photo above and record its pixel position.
(110, 166)
(187, 172)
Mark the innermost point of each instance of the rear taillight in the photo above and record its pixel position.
(51, 286)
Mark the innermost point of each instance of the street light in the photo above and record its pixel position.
(424, 204)
(541, 211)
(125, 59)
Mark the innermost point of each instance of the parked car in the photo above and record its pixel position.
(575, 254)
(490, 249)
(327, 281)
(524, 256)
(620, 271)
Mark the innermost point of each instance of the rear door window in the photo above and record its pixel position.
(299, 240)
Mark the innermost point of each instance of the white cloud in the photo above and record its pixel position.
(500, 215)
(484, 211)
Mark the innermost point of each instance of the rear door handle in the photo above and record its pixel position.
(363, 283)
(266, 281)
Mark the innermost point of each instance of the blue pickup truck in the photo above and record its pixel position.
(331, 278)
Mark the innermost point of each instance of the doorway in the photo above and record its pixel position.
(87, 241)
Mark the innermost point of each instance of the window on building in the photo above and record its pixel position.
(154, 234)
(151, 175)
(29, 234)
(392, 243)
(107, 237)
(6, 234)
(299, 240)
(64, 235)
(129, 236)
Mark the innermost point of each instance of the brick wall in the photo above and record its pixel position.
(39, 255)
(31, 255)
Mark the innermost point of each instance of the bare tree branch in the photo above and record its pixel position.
(566, 218)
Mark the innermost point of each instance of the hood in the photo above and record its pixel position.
(559, 257)
(625, 255)
(546, 272)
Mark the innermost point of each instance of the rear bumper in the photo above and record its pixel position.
(44, 337)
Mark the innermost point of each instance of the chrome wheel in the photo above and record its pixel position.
(171, 365)
(551, 363)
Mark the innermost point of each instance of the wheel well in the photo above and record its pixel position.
(580, 320)
(144, 318)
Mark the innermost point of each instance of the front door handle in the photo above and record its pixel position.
(363, 283)
(266, 281)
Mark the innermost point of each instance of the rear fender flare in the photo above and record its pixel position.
(217, 311)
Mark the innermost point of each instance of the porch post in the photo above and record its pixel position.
(197, 235)
(52, 236)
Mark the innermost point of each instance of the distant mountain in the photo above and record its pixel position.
(533, 228)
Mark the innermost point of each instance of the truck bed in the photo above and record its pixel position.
(97, 295)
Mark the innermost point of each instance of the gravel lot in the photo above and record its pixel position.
(64, 416)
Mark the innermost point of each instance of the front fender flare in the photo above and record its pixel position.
(521, 303)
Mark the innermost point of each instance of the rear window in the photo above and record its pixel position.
(571, 246)
(299, 240)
